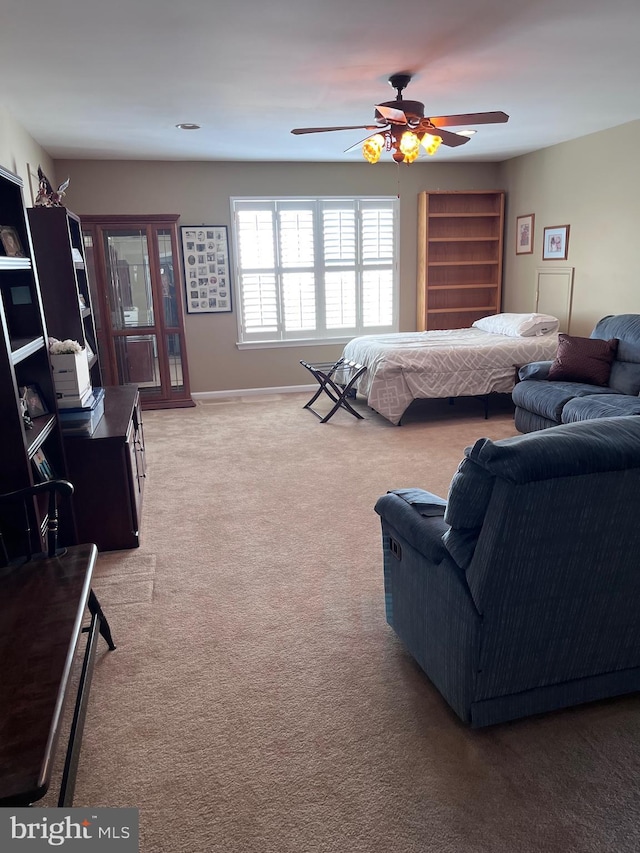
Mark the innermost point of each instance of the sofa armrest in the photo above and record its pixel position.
(426, 503)
(535, 370)
(424, 533)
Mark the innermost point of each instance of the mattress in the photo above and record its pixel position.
(408, 366)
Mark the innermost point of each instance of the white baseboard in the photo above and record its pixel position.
(252, 392)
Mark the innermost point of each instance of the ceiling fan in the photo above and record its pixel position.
(402, 126)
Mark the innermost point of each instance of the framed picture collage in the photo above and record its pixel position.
(207, 274)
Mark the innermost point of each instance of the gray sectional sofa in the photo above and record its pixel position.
(541, 402)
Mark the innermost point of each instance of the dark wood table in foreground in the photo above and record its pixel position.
(42, 608)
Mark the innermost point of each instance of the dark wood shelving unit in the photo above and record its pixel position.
(66, 295)
(24, 360)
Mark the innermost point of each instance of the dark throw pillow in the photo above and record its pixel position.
(583, 359)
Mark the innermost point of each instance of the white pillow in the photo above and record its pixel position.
(518, 325)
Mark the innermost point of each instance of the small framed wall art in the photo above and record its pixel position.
(207, 270)
(555, 244)
(10, 241)
(524, 234)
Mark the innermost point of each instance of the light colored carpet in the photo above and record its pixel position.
(257, 701)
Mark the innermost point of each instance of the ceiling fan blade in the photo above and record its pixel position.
(380, 129)
(469, 118)
(448, 138)
(391, 115)
(299, 130)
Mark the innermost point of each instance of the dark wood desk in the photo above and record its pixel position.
(42, 608)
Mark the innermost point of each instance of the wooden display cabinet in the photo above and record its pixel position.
(460, 246)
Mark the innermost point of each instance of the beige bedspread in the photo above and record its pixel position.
(407, 366)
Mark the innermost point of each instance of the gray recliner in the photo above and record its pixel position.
(520, 593)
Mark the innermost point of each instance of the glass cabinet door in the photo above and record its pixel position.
(137, 266)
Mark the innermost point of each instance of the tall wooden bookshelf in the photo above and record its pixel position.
(460, 245)
(24, 360)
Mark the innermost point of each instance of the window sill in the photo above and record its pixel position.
(303, 342)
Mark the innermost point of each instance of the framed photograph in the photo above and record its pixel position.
(555, 244)
(42, 466)
(11, 242)
(207, 269)
(524, 234)
(33, 401)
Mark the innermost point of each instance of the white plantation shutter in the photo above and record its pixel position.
(377, 297)
(340, 252)
(299, 301)
(297, 253)
(378, 241)
(260, 303)
(340, 300)
(315, 268)
(377, 235)
(256, 255)
(339, 235)
(296, 238)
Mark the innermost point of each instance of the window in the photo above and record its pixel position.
(312, 269)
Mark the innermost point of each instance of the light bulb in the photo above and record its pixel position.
(372, 148)
(431, 143)
(410, 146)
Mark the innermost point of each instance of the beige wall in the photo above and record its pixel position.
(21, 154)
(593, 185)
(200, 193)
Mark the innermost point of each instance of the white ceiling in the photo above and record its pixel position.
(111, 79)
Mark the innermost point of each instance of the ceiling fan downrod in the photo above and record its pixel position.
(399, 82)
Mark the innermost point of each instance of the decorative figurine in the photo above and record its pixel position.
(47, 196)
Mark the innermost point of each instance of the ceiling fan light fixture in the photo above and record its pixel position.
(431, 143)
(372, 148)
(409, 146)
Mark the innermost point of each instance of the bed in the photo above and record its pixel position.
(408, 366)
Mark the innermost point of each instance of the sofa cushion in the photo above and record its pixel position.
(625, 375)
(625, 370)
(469, 495)
(547, 399)
(564, 451)
(600, 406)
(625, 327)
(583, 359)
